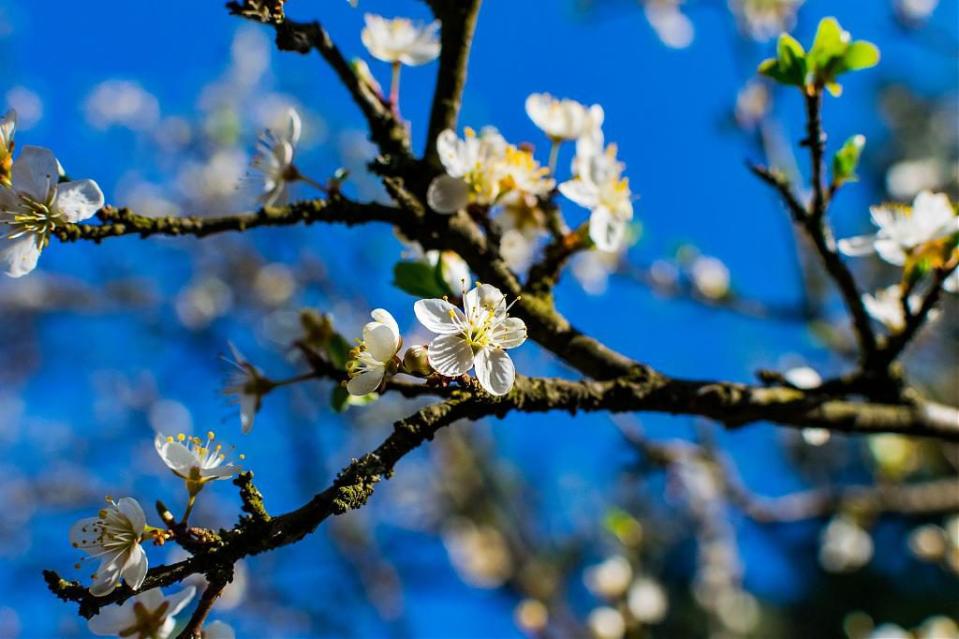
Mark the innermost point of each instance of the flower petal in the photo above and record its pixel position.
(8, 124)
(112, 619)
(135, 569)
(175, 455)
(85, 534)
(294, 126)
(891, 251)
(494, 370)
(449, 150)
(19, 256)
(385, 317)
(606, 230)
(35, 172)
(365, 383)
(447, 194)
(218, 630)
(856, 246)
(439, 316)
(79, 200)
(108, 574)
(580, 192)
(381, 341)
(510, 333)
(131, 509)
(450, 355)
(180, 600)
(249, 405)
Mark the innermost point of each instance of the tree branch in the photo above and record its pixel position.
(458, 20)
(820, 235)
(117, 222)
(216, 582)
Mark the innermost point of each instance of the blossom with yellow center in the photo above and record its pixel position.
(36, 204)
(903, 230)
(399, 40)
(149, 615)
(195, 460)
(114, 537)
(598, 185)
(375, 356)
(475, 337)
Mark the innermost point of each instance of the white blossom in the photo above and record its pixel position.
(803, 377)
(217, 630)
(598, 186)
(903, 229)
(563, 119)
(399, 40)
(149, 615)
(610, 578)
(951, 285)
(844, 546)
(765, 19)
(273, 162)
(606, 622)
(647, 600)
(247, 385)
(475, 337)
(471, 169)
(114, 537)
(886, 307)
(672, 26)
(36, 204)
(195, 460)
(375, 355)
(453, 269)
(710, 277)
(916, 11)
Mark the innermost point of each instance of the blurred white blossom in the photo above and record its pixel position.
(121, 103)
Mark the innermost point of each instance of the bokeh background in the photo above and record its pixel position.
(494, 523)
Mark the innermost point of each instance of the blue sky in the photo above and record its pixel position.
(667, 110)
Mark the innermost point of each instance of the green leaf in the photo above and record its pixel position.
(789, 46)
(830, 43)
(339, 399)
(419, 279)
(859, 55)
(846, 160)
(789, 67)
(338, 350)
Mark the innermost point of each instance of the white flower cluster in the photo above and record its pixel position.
(34, 202)
(475, 337)
(905, 236)
(116, 534)
(484, 169)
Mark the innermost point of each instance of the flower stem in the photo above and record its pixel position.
(322, 187)
(189, 508)
(553, 156)
(395, 89)
(294, 380)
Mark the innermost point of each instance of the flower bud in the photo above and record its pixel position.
(416, 361)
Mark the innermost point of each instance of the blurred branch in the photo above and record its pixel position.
(923, 498)
(731, 302)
